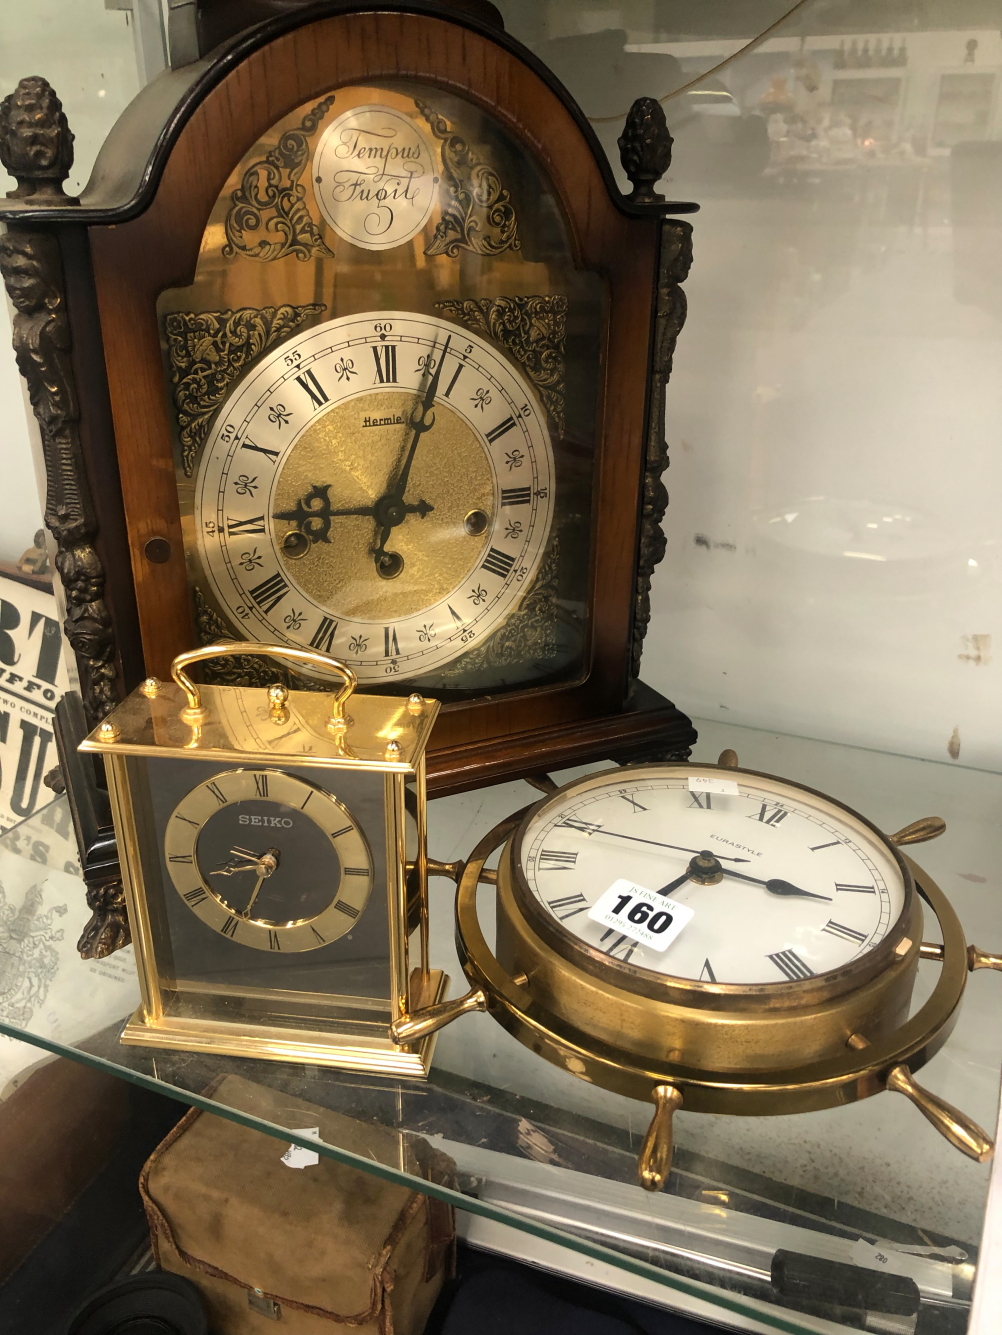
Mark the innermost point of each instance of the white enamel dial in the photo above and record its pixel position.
(801, 885)
(379, 488)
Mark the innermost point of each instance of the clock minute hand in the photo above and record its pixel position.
(634, 838)
(389, 508)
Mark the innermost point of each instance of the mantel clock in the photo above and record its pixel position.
(273, 849)
(375, 351)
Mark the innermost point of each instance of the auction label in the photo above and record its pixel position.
(652, 919)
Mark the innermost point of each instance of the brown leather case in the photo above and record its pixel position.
(314, 1248)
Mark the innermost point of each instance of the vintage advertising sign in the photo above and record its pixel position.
(32, 678)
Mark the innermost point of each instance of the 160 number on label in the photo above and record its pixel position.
(652, 919)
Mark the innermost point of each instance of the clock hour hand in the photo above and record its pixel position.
(242, 859)
(776, 886)
(312, 513)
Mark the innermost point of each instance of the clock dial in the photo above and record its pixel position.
(380, 489)
(781, 883)
(268, 860)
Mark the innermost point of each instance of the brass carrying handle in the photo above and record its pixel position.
(958, 1129)
(195, 710)
(654, 1163)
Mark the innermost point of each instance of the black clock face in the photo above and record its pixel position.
(268, 860)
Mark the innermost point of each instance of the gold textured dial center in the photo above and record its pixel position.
(348, 460)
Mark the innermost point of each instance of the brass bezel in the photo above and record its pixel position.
(690, 992)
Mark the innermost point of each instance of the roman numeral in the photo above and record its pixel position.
(583, 826)
(320, 940)
(788, 962)
(271, 455)
(188, 821)
(313, 387)
(857, 889)
(229, 928)
(270, 592)
(217, 793)
(260, 785)
(273, 941)
(772, 817)
(195, 897)
(386, 363)
(452, 383)
(834, 844)
(324, 637)
(846, 933)
(566, 902)
(498, 563)
(701, 800)
(391, 647)
(516, 495)
(706, 974)
(336, 834)
(619, 944)
(181, 857)
(555, 860)
(244, 527)
(308, 795)
(356, 871)
(633, 802)
(347, 909)
(502, 428)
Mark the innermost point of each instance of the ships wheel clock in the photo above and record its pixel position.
(353, 344)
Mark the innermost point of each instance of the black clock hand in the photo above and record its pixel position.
(390, 509)
(677, 848)
(673, 885)
(312, 513)
(776, 887)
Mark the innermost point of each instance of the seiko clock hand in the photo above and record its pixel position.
(242, 860)
(585, 828)
(267, 864)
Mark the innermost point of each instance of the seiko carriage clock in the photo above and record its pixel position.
(273, 847)
(352, 344)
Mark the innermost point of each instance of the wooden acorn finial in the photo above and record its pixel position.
(645, 149)
(36, 143)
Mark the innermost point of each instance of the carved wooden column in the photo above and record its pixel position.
(36, 147)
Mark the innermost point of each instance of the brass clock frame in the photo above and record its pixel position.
(746, 1051)
(381, 735)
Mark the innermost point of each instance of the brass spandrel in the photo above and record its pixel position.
(345, 461)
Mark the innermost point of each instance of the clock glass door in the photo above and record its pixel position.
(266, 890)
(384, 382)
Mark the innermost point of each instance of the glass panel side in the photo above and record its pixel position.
(551, 1155)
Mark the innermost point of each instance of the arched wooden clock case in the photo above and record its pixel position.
(534, 255)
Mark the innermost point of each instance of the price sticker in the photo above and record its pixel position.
(652, 919)
(298, 1157)
(704, 783)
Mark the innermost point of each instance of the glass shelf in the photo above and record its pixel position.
(543, 1154)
